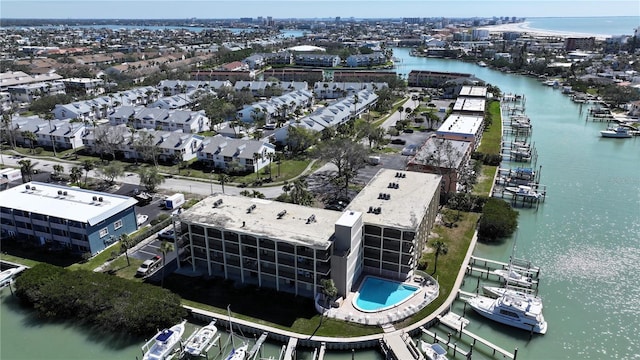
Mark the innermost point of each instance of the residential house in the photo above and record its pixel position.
(222, 152)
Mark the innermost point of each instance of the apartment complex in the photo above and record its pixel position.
(292, 248)
(90, 220)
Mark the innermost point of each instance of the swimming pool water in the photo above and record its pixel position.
(378, 294)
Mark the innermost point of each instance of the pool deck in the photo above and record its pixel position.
(428, 290)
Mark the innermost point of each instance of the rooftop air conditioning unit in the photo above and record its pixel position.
(282, 213)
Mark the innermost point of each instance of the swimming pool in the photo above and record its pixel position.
(377, 294)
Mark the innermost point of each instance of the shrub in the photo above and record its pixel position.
(107, 302)
(498, 220)
(38, 150)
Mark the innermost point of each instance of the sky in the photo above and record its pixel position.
(279, 9)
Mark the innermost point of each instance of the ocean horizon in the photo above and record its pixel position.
(605, 25)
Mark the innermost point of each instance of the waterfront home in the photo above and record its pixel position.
(292, 248)
(463, 128)
(443, 157)
(90, 222)
(321, 60)
(366, 60)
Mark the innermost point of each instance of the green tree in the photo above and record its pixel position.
(58, 170)
(150, 178)
(111, 171)
(87, 165)
(329, 289)
(439, 248)
(223, 178)
(165, 248)
(299, 139)
(126, 243)
(29, 135)
(498, 220)
(75, 174)
(347, 156)
(26, 169)
(145, 145)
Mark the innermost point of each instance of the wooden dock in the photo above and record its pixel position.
(256, 349)
(475, 339)
(400, 346)
(520, 265)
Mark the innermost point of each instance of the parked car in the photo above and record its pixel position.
(398, 141)
(141, 219)
(148, 266)
(166, 235)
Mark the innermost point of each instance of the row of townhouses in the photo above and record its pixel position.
(278, 106)
(333, 115)
(140, 117)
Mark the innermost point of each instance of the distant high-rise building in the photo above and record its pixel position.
(246, 20)
(337, 19)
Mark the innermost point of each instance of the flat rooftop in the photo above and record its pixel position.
(407, 203)
(65, 202)
(469, 104)
(264, 220)
(461, 124)
(473, 91)
(441, 153)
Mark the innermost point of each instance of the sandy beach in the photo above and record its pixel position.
(524, 28)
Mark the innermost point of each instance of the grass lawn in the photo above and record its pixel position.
(120, 268)
(288, 170)
(298, 315)
(485, 180)
(97, 260)
(19, 260)
(457, 239)
(492, 135)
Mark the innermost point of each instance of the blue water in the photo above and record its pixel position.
(378, 294)
(606, 25)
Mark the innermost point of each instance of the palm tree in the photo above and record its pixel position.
(26, 169)
(165, 247)
(87, 165)
(223, 178)
(440, 248)
(75, 174)
(125, 244)
(270, 157)
(256, 157)
(28, 135)
(58, 170)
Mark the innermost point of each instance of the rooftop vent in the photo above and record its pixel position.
(370, 209)
(281, 214)
(311, 219)
(100, 199)
(251, 208)
(384, 196)
(28, 187)
(59, 192)
(377, 210)
(95, 198)
(217, 203)
(64, 193)
(33, 188)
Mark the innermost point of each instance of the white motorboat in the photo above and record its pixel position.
(433, 351)
(198, 342)
(6, 277)
(618, 132)
(482, 64)
(161, 346)
(496, 291)
(514, 277)
(511, 311)
(523, 190)
(238, 353)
